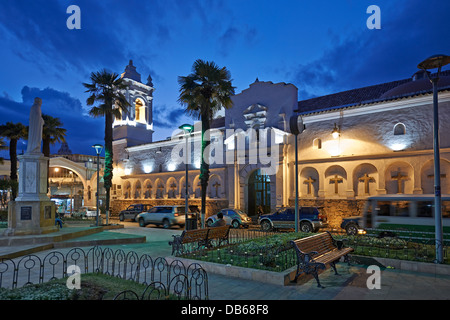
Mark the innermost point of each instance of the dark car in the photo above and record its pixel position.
(351, 225)
(310, 219)
(133, 210)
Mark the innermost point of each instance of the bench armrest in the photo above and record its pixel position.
(308, 257)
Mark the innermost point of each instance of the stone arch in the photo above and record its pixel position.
(172, 188)
(427, 176)
(126, 189)
(159, 189)
(365, 179)
(196, 187)
(182, 187)
(137, 189)
(308, 182)
(399, 177)
(335, 181)
(79, 170)
(140, 109)
(147, 189)
(215, 186)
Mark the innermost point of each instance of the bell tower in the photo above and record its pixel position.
(135, 126)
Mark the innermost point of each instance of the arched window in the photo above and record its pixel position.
(139, 110)
(317, 144)
(399, 129)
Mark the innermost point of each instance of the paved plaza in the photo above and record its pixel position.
(351, 284)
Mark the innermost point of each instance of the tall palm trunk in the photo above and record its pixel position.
(204, 168)
(46, 152)
(108, 171)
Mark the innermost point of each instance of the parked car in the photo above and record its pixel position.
(85, 212)
(133, 210)
(310, 219)
(233, 217)
(166, 216)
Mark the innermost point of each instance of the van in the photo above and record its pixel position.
(397, 213)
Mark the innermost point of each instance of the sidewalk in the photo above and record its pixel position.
(351, 284)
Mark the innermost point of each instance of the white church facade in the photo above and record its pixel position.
(382, 144)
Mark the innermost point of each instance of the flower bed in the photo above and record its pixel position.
(274, 252)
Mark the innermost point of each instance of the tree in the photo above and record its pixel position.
(205, 91)
(13, 132)
(52, 132)
(3, 146)
(105, 88)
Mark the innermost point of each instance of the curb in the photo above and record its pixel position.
(284, 278)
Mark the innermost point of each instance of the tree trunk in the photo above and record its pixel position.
(108, 171)
(46, 152)
(204, 168)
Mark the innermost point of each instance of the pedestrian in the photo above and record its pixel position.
(260, 210)
(58, 220)
(219, 222)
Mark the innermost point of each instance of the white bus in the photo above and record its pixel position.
(399, 212)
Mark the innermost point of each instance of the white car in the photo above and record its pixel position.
(166, 216)
(89, 211)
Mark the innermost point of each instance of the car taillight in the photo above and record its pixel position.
(322, 217)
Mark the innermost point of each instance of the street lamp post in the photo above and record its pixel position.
(436, 61)
(297, 127)
(187, 129)
(98, 150)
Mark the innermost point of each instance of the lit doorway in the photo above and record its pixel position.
(258, 193)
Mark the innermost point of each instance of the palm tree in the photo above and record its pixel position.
(52, 132)
(13, 132)
(3, 146)
(105, 88)
(207, 89)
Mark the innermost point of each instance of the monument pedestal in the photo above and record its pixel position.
(32, 212)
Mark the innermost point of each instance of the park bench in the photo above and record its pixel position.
(318, 251)
(203, 237)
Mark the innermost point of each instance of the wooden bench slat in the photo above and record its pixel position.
(325, 250)
(203, 237)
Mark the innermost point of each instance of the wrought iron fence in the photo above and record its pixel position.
(278, 255)
(412, 248)
(184, 282)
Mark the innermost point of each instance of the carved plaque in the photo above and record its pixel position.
(25, 213)
(30, 178)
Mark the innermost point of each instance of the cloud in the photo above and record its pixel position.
(233, 36)
(167, 118)
(82, 130)
(369, 57)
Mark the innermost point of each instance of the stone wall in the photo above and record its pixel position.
(334, 209)
(212, 206)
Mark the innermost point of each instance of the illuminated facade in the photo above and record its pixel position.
(382, 143)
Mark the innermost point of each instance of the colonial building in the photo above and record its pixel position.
(382, 143)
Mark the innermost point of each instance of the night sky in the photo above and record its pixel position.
(321, 47)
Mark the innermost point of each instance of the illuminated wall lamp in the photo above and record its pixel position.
(336, 131)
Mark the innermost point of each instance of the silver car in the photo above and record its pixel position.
(233, 217)
(166, 216)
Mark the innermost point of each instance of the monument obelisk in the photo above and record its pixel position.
(32, 212)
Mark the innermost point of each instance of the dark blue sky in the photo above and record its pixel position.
(320, 46)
